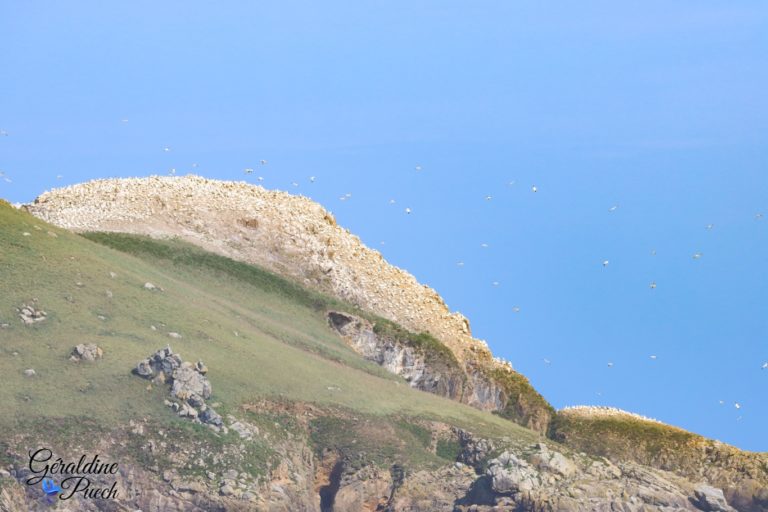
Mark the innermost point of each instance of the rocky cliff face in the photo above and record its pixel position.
(158, 472)
(499, 390)
(623, 437)
(443, 377)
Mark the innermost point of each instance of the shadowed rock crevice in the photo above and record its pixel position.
(328, 491)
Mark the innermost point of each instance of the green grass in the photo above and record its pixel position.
(260, 335)
(448, 449)
(626, 438)
(422, 435)
(183, 254)
(361, 439)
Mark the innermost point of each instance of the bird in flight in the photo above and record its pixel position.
(697, 256)
(765, 366)
(653, 357)
(418, 167)
(408, 211)
(710, 226)
(166, 149)
(534, 189)
(605, 263)
(653, 285)
(263, 162)
(249, 171)
(613, 208)
(737, 405)
(311, 179)
(488, 198)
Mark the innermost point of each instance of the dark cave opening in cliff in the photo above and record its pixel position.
(328, 492)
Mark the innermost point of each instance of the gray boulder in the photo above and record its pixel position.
(211, 417)
(163, 361)
(86, 352)
(144, 369)
(553, 462)
(188, 382)
(509, 475)
(710, 499)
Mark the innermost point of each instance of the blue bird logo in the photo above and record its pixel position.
(50, 488)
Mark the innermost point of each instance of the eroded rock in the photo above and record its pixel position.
(31, 314)
(188, 384)
(510, 474)
(89, 352)
(711, 499)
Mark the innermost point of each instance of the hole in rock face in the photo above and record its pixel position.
(328, 491)
(338, 320)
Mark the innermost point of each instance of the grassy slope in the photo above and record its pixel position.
(282, 349)
(625, 438)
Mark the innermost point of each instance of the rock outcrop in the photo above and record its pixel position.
(623, 437)
(427, 366)
(423, 369)
(31, 314)
(88, 352)
(189, 386)
(541, 479)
